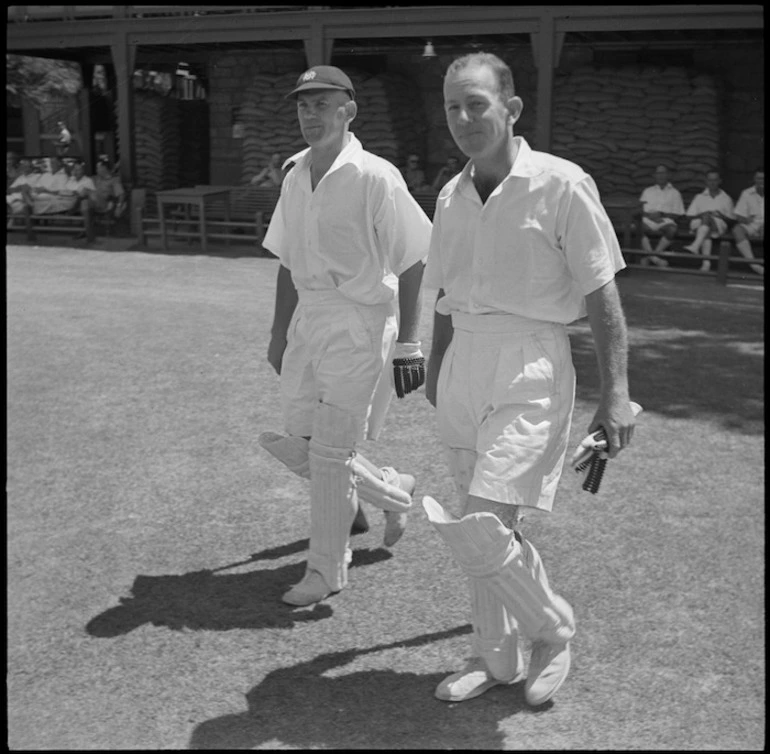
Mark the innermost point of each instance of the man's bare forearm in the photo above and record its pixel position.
(608, 325)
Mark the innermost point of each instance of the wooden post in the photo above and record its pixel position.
(124, 59)
(546, 50)
(84, 117)
(318, 47)
(30, 117)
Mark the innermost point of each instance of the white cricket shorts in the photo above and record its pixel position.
(336, 353)
(721, 226)
(506, 390)
(655, 226)
(755, 229)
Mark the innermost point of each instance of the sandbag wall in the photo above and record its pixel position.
(389, 121)
(620, 123)
(157, 145)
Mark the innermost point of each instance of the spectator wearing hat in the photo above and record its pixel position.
(351, 241)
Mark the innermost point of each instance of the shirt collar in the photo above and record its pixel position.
(351, 153)
(524, 166)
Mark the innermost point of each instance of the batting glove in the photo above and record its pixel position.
(408, 368)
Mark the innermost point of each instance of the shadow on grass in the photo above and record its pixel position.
(688, 359)
(310, 706)
(204, 600)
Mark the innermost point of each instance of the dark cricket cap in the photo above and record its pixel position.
(323, 77)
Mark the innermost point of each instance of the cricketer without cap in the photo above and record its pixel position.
(351, 241)
(521, 246)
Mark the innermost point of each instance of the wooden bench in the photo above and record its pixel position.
(251, 208)
(69, 224)
(627, 221)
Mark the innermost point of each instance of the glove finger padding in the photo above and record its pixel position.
(408, 374)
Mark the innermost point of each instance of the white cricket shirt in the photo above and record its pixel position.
(666, 199)
(751, 205)
(704, 202)
(541, 242)
(356, 233)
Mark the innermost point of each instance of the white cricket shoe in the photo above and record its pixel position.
(312, 588)
(548, 668)
(472, 681)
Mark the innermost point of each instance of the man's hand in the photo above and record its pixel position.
(408, 368)
(616, 417)
(275, 350)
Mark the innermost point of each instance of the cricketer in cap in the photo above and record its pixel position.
(323, 77)
(351, 241)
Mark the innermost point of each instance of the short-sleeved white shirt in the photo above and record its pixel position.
(666, 199)
(539, 244)
(356, 233)
(751, 205)
(30, 179)
(704, 202)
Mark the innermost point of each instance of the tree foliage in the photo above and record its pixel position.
(37, 79)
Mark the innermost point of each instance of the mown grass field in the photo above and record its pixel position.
(150, 538)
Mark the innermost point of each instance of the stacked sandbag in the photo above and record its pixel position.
(620, 123)
(156, 140)
(389, 122)
(194, 142)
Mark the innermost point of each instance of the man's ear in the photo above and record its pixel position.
(515, 106)
(351, 110)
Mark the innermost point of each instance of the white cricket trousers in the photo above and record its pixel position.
(337, 352)
(506, 391)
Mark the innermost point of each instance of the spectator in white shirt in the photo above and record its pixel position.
(750, 214)
(49, 193)
(18, 196)
(711, 210)
(662, 206)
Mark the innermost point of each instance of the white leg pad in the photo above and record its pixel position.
(378, 487)
(290, 451)
(495, 633)
(333, 502)
(462, 463)
(488, 551)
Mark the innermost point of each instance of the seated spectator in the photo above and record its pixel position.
(47, 192)
(109, 196)
(415, 176)
(449, 170)
(750, 216)
(662, 206)
(711, 211)
(270, 176)
(56, 193)
(11, 168)
(18, 195)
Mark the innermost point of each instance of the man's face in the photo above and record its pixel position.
(55, 165)
(759, 182)
(661, 177)
(413, 163)
(452, 163)
(78, 171)
(275, 160)
(102, 170)
(476, 114)
(712, 182)
(26, 167)
(322, 116)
